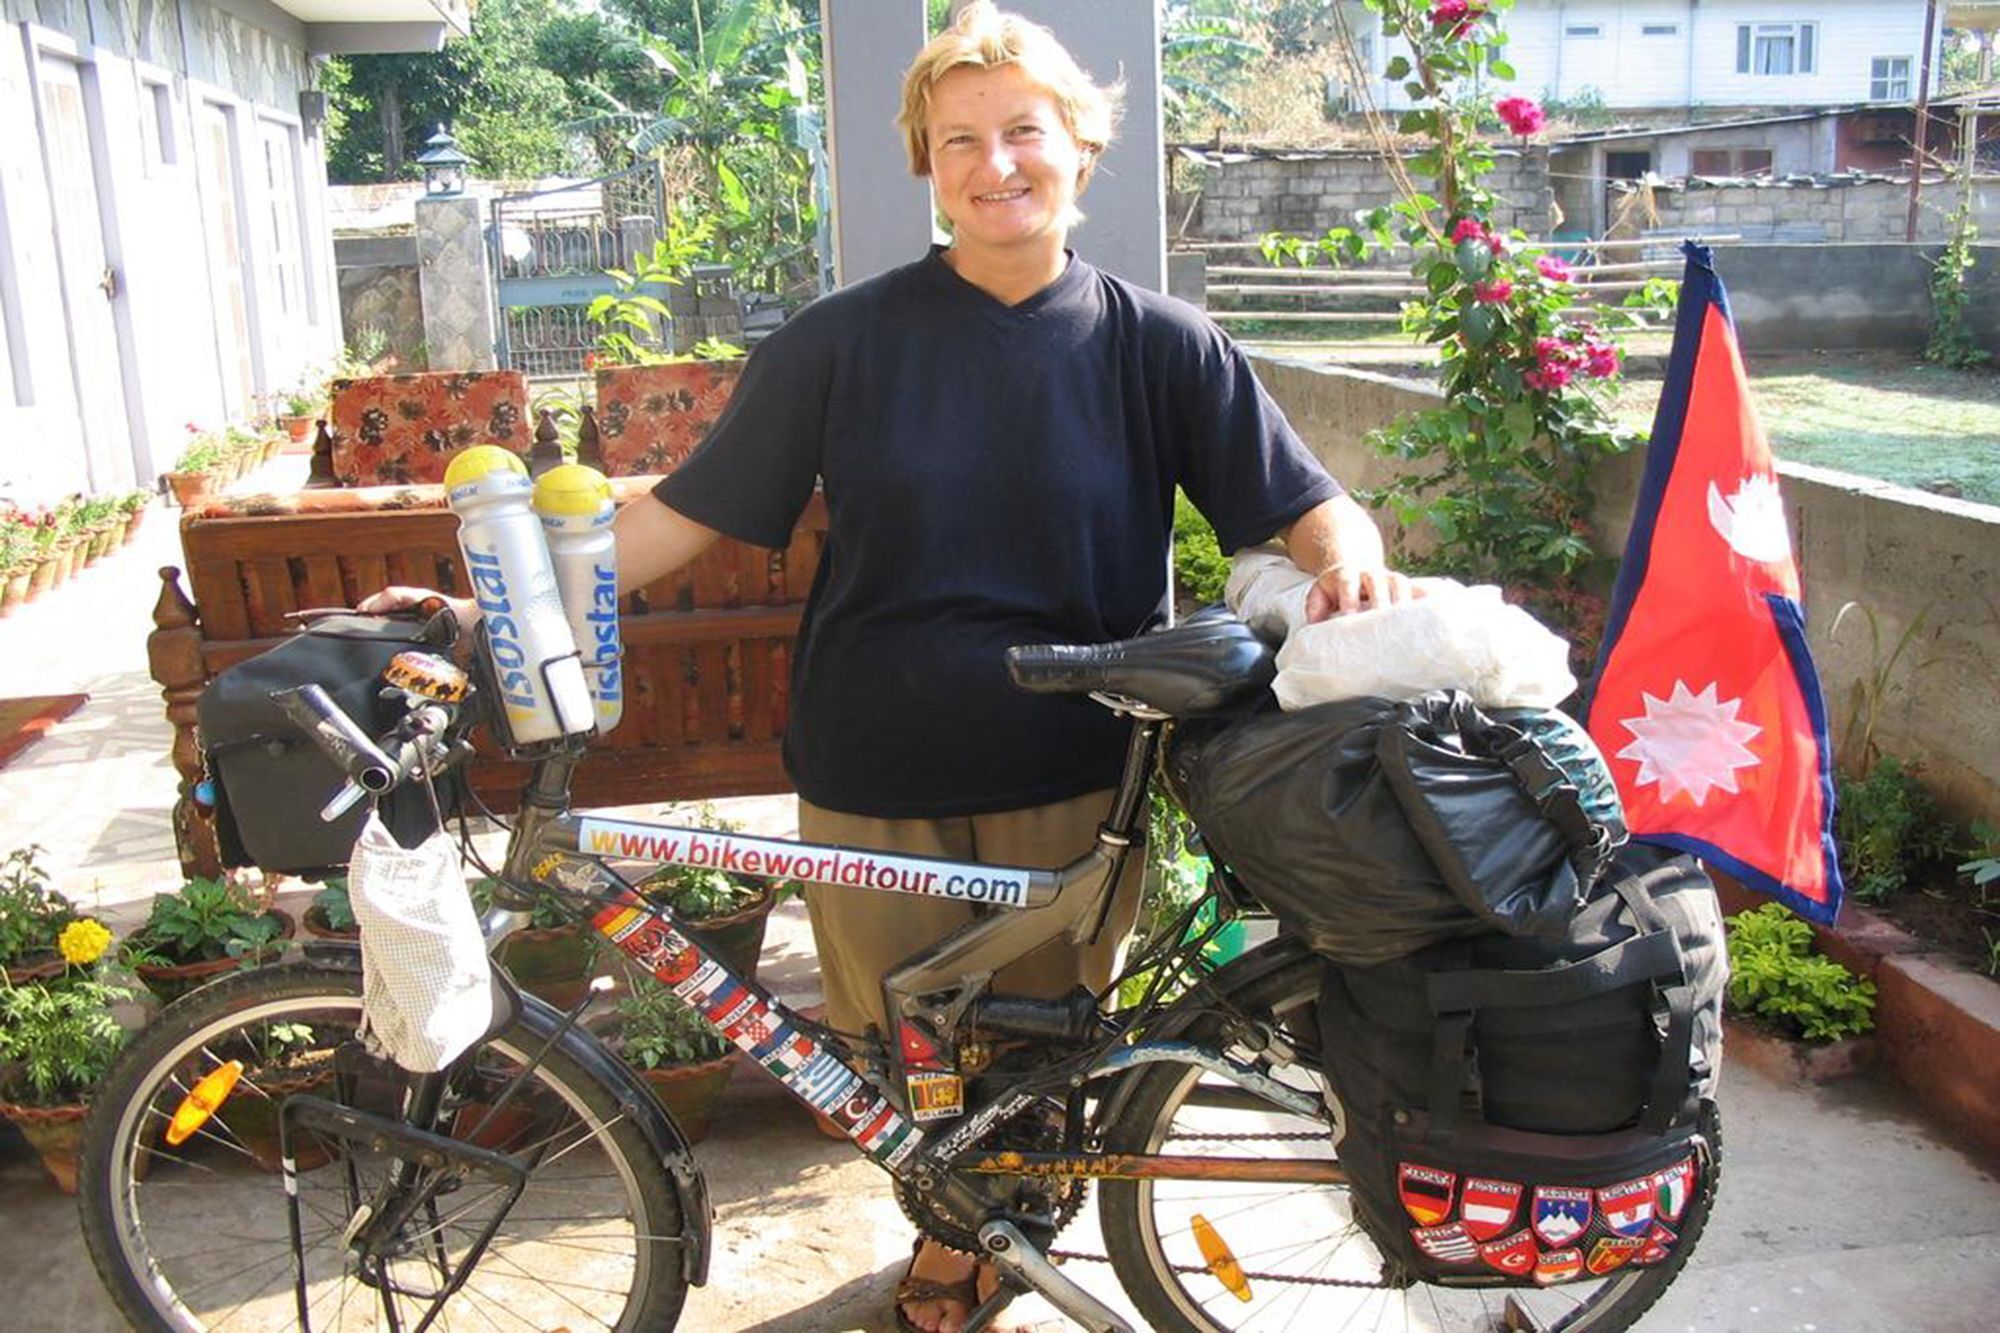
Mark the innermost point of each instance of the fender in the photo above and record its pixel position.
(539, 1019)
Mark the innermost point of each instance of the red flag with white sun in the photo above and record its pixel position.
(1706, 703)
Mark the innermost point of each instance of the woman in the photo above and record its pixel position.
(998, 430)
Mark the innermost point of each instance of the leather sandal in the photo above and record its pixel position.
(913, 1290)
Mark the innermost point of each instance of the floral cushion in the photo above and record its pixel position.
(403, 429)
(651, 417)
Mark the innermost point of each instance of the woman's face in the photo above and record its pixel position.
(1004, 166)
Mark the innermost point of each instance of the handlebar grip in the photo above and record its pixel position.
(315, 713)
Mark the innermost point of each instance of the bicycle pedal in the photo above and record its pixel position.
(1019, 1259)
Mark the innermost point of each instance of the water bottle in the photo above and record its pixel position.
(575, 506)
(541, 683)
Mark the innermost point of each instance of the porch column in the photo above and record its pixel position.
(881, 213)
(455, 279)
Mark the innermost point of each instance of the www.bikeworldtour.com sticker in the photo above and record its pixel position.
(936, 1096)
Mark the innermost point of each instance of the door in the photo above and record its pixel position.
(222, 227)
(89, 285)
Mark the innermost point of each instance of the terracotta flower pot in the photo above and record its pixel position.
(314, 921)
(56, 1135)
(35, 965)
(738, 938)
(690, 1092)
(13, 590)
(191, 488)
(550, 962)
(170, 981)
(132, 521)
(253, 1120)
(42, 577)
(298, 429)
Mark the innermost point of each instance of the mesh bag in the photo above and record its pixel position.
(427, 984)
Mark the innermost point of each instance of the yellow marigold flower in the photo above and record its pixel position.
(83, 942)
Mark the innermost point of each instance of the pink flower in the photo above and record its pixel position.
(1523, 115)
(1456, 15)
(1547, 377)
(1468, 229)
(1600, 360)
(1552, 268)
(1492, 293)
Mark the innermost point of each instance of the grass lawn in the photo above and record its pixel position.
(1879, 414)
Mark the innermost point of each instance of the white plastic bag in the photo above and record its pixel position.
(427, 984)
(1452, 638)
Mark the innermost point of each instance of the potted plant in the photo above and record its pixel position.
(57, 1040)
(32, 918)
(298, 409)
(208, 927)
(684, 1061)
(132, 508)
(729, 912)
(330, 916)
(279, 1060)
(549, 957)
(194, 475)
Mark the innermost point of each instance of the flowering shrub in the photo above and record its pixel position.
(1500, 472)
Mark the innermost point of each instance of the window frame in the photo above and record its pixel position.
(1803, 35)
(1659, 29)
(1888, 80)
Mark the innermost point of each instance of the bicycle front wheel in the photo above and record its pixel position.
(1303, 1260)
(197, 1235)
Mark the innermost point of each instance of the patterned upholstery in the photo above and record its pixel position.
(403, 429)
(649, 418)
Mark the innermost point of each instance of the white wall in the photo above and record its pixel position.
(156, 173)
(1693, 66)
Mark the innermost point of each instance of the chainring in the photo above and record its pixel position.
(1036, 1129)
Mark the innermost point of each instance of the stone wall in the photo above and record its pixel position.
(1243, 196)
(1821, 209)
(1796, 297)
(379, 289)
(1898, 552)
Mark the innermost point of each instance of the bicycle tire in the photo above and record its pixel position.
(197, 1236)
(1304, 1241)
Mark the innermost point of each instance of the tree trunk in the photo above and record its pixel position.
(391, 108)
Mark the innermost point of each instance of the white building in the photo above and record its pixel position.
(164, 254)
(1716, 55)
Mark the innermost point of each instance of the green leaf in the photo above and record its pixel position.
(1474, 259)
(1501, 69)
(1398, 68)
(1478, 325)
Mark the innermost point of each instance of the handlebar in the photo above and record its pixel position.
(370, 770)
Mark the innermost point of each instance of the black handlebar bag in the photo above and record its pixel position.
(271, 780)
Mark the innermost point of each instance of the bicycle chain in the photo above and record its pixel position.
(1192, 1269)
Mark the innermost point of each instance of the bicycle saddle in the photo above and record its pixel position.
(1210, 663)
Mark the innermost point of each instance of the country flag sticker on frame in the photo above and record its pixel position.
(1611, 1252)
(1487, 1207)
(1425, 1192)
(1560, 1214)
(1659, 1244)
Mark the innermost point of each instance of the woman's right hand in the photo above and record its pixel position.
(399, 598)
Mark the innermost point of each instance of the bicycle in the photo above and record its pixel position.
(535, 1182)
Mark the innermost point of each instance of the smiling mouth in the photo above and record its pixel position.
(1000, 197)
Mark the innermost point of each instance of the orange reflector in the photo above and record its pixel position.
(1221, 1262)
(203, 1101)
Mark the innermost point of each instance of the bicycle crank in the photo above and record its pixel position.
(1017, 1258)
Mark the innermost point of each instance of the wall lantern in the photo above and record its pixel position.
(444, 165)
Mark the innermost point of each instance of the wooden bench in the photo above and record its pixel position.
(707, 650)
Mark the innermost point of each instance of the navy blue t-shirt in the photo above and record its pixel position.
(993, 475)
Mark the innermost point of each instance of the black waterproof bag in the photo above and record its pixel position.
(1517, 1110)
(1374, 828)
(271, 780)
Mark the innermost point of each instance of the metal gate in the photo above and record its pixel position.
(550, 252)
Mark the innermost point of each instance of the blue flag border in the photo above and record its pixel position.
(1701, 287)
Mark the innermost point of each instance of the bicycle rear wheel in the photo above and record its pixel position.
(1307, 1263)
(197, 1236)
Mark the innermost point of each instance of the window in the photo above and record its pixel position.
(1659, 29)
(1729, 162)
(1889, 79)
(1584, 30)
(156, 124)
(1775, 48)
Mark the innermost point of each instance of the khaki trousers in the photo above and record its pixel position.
(862, 933)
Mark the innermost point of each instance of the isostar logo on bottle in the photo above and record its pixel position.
(495, 597)
(607, 680)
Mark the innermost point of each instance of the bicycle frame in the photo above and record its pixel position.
(560, 850)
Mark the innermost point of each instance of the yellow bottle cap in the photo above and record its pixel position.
(572, 490)
(480, 460)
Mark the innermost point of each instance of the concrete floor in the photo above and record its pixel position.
(1842, 1209)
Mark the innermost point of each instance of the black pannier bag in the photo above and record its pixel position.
(271, 779)
(1516, 1110)
(1373, 828)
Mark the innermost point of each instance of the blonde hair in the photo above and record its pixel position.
(983, 37)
